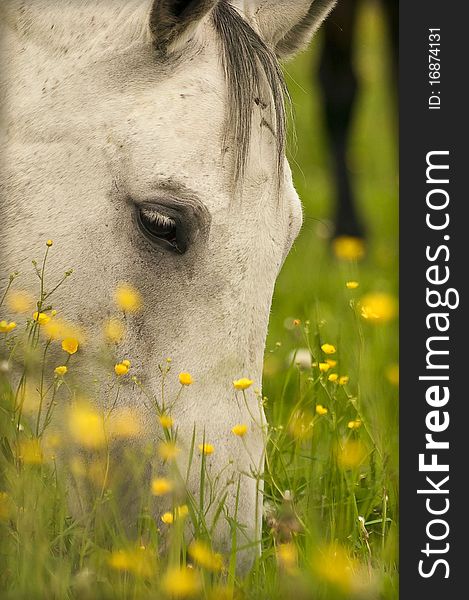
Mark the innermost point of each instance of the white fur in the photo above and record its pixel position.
(91, 120)
(274, 19)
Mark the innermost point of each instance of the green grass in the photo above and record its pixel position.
(331, 505)
(312, 287)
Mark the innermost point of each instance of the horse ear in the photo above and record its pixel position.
(174, 21)
(288, 25)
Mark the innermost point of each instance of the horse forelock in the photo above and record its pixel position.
(253, 76)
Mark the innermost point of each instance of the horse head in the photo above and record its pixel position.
(148, 140)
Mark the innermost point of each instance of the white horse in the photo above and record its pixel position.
(147, 139)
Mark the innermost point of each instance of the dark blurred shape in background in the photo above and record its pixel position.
(339, 83)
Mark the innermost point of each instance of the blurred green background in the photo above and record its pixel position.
(312, 287)
(311, 284)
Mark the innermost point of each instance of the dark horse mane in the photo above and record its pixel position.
(252, 71)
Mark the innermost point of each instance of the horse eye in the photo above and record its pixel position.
(161, 229)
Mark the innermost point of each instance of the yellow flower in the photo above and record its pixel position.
(121, 368)
(166, 421)
(86, 426)
(324, 367)
(296, 322)
(356, 424)
(181, 512)
(328, 349)
(114, 330)
(185, 379)
(287, 557)
(59, 329)
(206, 449)
(181, 582)
(352, 454)
(349, 248)
(321, 410)
(60, 370)
(392, 374)
(121, 561)
(240, 430)
(242, 384)
(41, 318)
(49, 243)
(124, 423)
(333, 377)
(352, 285)
(6, 327)
(204, 556)
(139, 561)
(20, 302)
(378, 307)
(332, 565)
(344, 379)
(167, 518)
(168, 450)
(331, 362)
(54, 329)
(128, 298)
(70, 345)
(30, 452)
(161, 486)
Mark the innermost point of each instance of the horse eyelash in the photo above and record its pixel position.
(157, 218)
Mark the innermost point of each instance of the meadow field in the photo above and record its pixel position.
(330, 392)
